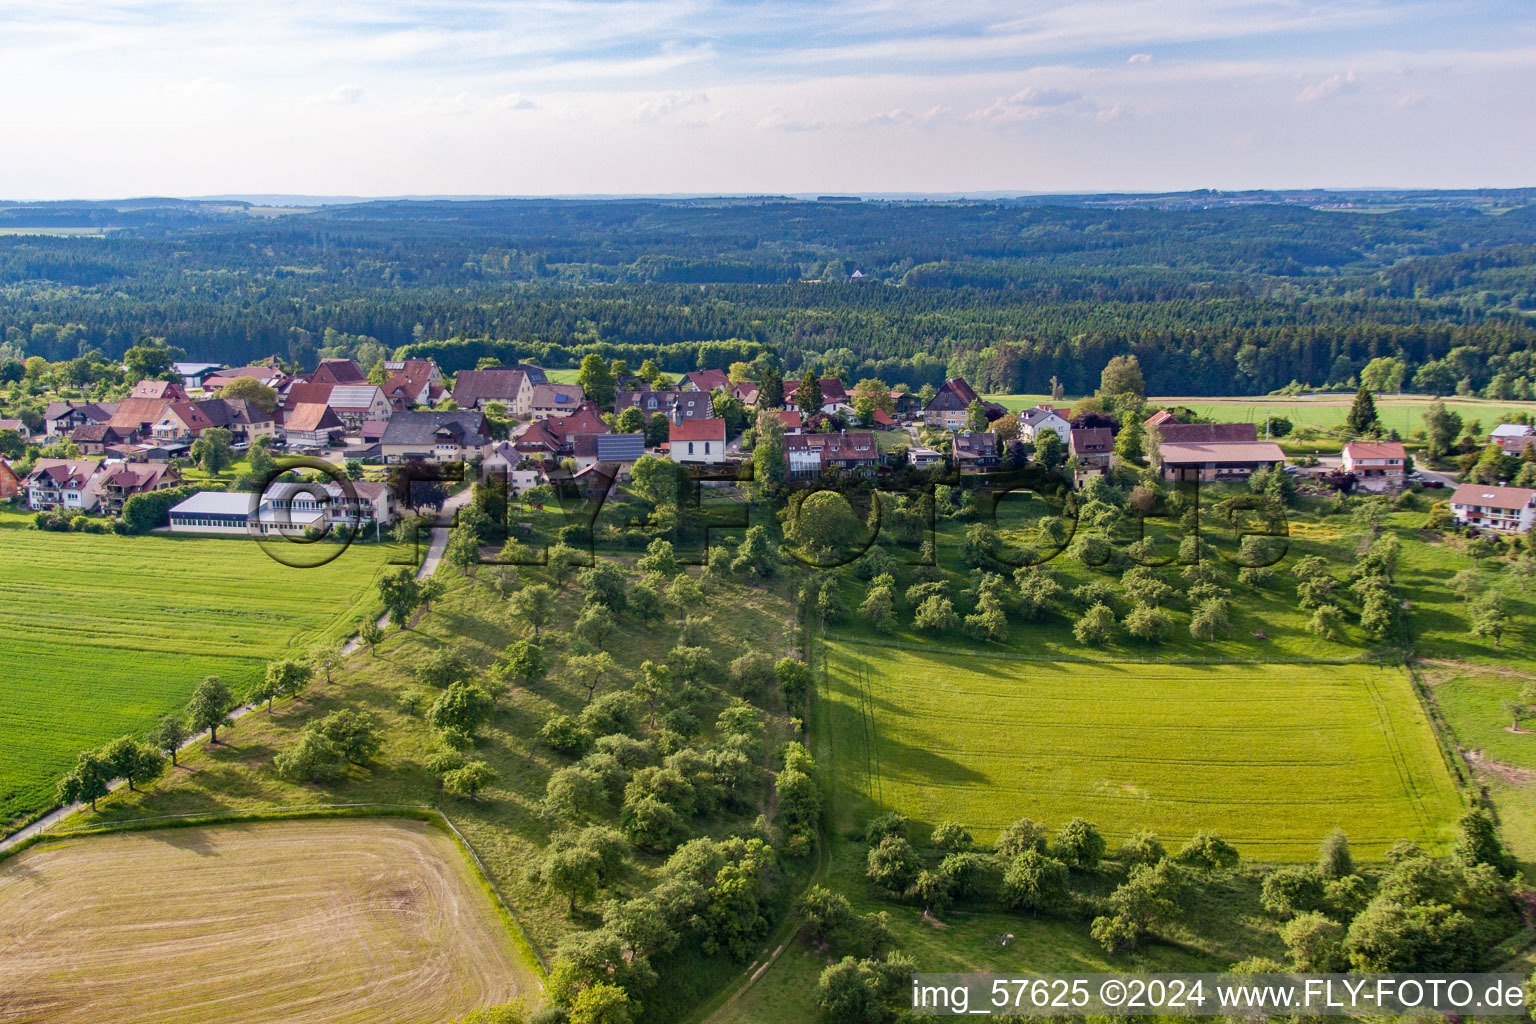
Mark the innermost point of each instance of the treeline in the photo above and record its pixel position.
(1236, 300)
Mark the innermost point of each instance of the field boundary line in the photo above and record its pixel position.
(425, 813)
(1445, 737)
(899, 645)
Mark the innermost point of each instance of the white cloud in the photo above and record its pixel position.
(1035, 103)
(777, 120)
(344, 95)
(1139, 58)
(660, 108)
(516, 101)
(1329, 87)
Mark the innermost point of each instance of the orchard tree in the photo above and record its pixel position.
(209, 707)
(534, 604)
(88, 781)
(469, 780)
(136, 762)
(169, 735)
(463, 706)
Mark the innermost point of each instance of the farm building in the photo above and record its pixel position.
(1187, 462)
(950, 404)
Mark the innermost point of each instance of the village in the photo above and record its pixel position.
(89, 458)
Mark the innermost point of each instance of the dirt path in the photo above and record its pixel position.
(429, 565)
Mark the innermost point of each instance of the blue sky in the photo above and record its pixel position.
(113, 98)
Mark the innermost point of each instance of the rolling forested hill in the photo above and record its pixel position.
(1218, 293)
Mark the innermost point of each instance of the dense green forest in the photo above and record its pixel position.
(1215, 297)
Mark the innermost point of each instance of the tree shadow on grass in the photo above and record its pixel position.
(192, 840)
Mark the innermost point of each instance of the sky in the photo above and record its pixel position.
(114, 98)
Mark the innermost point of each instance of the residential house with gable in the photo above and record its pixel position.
(338, 371)
(814, 454)
(435, 437)
(1377, 465)
(476, 389)
(949, 406)
(122, 480)
(554, 400)
(705, 380)
(690, 405)
(68, 484)
(699, 442)
(975, 451)
(168, 390)
(1513, 438)
(10, 483)
(1505, 509)
(1044, 417)
(61, 418)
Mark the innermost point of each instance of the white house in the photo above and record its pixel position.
(697, 442)
(1506, 509)
(70, 484)
(1378, 464)
(1043, 417)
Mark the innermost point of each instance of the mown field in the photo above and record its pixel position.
(357, 920)
(102, 635)
(1270, 757)
(1404, 414)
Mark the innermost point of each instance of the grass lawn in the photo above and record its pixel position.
(1270, 757)
(104, 634)
(379, 919)
(1473, 705)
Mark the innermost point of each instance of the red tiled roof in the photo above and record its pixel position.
(311, 416)
(697, 430)
(1375, 450)
(1493, 497)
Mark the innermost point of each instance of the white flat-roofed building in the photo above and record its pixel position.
(239, 514)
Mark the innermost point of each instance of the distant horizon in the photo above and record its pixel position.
(258, 198)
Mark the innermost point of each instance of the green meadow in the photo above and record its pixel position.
(102, 635)
(1403, 413)
(1271, 757)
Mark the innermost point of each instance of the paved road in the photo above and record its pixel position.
(429, 565)
(434, 557)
